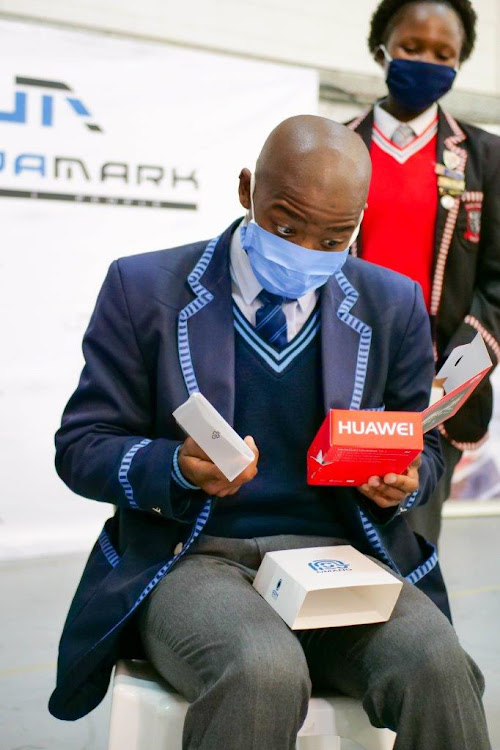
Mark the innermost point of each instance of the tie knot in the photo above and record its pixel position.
(270, 319)
(403, 134)
(268, 298)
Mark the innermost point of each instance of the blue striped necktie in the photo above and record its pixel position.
(270, 320)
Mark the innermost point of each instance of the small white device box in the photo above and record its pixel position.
(214, 435)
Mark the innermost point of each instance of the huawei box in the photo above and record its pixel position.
(352, 446)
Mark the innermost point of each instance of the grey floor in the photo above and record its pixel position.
(35, 595)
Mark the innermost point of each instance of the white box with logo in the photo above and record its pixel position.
(325, 587)
(214, 435)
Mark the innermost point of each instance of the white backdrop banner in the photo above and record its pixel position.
(108, 147)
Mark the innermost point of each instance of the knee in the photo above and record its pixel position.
(436, 663)
(446, 666)
(278, 674)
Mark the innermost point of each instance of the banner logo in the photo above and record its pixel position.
(23, 104)
(329, 566)
(33, 164)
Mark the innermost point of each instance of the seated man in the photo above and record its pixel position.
(274, 324)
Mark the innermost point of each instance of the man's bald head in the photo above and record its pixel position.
(315, 149)
(315, 171)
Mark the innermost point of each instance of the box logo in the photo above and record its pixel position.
(329, 566)
(276, 590)
(351, 427)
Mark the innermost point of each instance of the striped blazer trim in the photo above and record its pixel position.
(410, 500)
(375, 541)
(125, 468)
(423, 569)
(203, 297)
(162, 572)
(365, 336)
(364, 332)
(451, 143)
(108, 550)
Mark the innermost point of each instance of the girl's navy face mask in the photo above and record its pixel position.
(417, 85)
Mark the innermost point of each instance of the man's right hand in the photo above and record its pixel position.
(198, 469)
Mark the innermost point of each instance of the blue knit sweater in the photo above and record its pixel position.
(279, 401)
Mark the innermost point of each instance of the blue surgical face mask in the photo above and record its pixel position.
(287, 269)
(417, 85)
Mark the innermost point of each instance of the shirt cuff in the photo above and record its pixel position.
(177, 475)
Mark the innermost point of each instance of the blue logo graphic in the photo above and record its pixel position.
(50, 105)
(329, 566)
(18, 114)
(276, 590)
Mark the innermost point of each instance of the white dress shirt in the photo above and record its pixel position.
(387, 124)
(246, 289)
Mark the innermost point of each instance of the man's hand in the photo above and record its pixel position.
(390, 490)
(198, 469)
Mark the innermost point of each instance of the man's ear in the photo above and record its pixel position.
(244, 188)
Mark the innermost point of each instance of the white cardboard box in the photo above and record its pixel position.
(325, 587)
(214, 435)
(460, 375)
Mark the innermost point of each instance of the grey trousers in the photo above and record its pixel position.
(426, 520)
(248, 677)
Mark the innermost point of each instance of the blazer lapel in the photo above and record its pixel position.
(363, 125)
(450, 135)
(345, 343)
(205, 330)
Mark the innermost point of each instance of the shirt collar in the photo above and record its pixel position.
(387, 124)
(243, 278)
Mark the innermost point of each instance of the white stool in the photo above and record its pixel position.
(147, 714)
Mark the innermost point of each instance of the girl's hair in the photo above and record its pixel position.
(384, 14)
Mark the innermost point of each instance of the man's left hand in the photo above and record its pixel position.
(391, 489)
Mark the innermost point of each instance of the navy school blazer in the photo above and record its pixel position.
(162, 329)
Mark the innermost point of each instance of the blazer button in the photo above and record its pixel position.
(178, 548)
